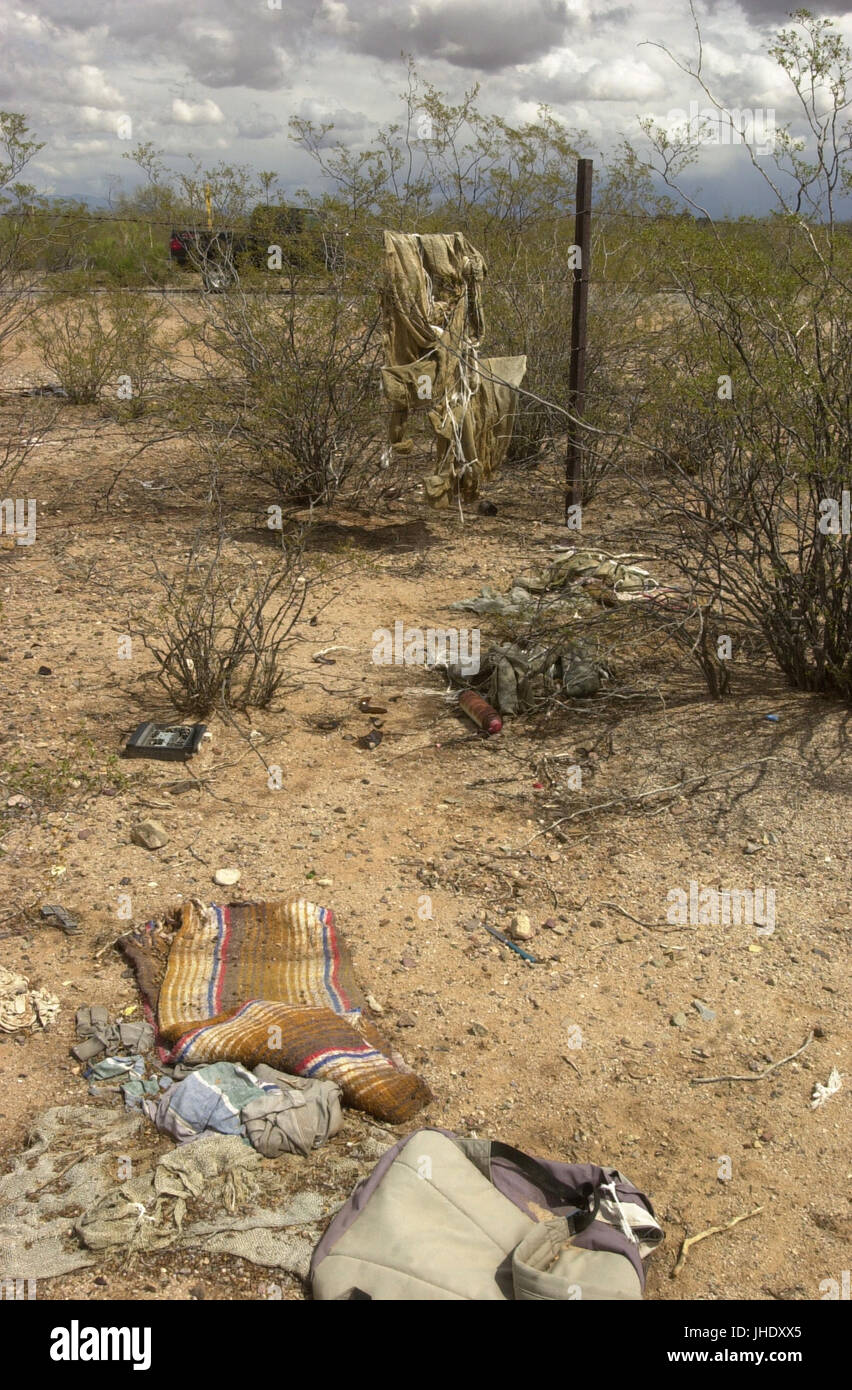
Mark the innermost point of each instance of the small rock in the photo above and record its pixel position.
(478, 1030)
(486, 508)
(708, 1015)
(520, 926)
(679, 1020)
(226, 878)
(406, 1021)
(752, 847)
(373, 1004)
(44, 671)
(198, 1291)
(150, 834)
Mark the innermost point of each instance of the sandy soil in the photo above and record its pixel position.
(425, 836)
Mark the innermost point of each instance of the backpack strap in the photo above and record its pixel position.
(586, 1197)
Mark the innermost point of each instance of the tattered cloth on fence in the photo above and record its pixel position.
(582, 578)
(433, 325)
(271, 983)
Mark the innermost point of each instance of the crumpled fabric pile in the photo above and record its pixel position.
(22, 1007)
(514, 680)
(582, 580)
(276, 1113)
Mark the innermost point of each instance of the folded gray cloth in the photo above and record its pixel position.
(299, 1115)
(99, 1034)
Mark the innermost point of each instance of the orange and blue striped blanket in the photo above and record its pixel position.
(274, 983)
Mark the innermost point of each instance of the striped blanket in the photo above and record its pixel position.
(273, 983)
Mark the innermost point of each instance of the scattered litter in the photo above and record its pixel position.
(519, 951)
(821, 1093)
(323, 659)
(366, 706)
(480, 712)
(515, 677)
(60, 915)
(169, 743)
(582, 580)
(22, 1007)
(773, 718)
(226, 878)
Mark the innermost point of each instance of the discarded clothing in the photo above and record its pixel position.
(269, 983)
(295, 1116)
(209, 1098)
(85, 1146)
(100, 1034)
(580, 578)
(22, 1007)
(220, 1175)
(76, 1154)
(433, 323)
(514, 680)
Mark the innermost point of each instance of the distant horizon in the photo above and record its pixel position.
(94, 81)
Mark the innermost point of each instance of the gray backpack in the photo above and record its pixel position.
(442, 1217)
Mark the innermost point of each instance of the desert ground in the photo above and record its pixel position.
(598, 1051)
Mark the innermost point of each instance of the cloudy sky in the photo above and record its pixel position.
(221, 78)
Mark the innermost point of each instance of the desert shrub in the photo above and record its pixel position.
(92, 341)
(751, 423)
(292, 392)
(223, 626)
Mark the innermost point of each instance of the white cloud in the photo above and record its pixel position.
(196, 113)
